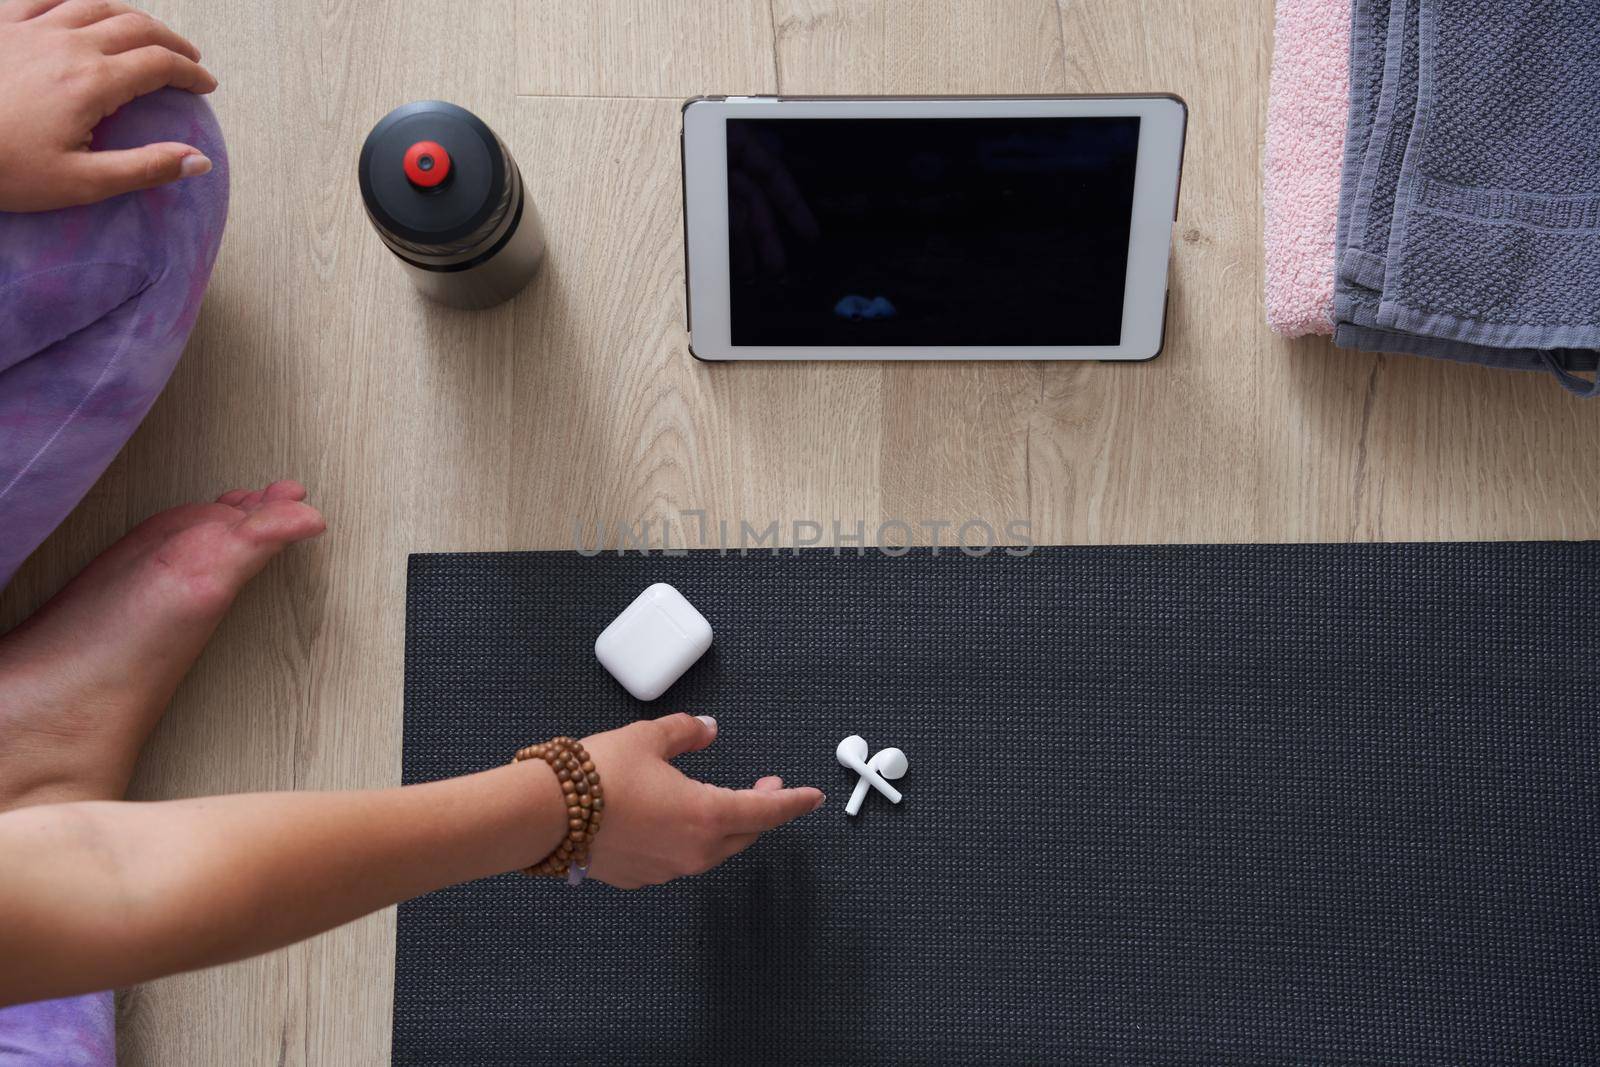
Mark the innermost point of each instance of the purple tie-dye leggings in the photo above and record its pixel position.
(96, 303)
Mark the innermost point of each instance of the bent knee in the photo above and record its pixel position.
(166, 115)
(179, 225)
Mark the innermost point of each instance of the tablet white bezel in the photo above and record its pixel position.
(705, 180)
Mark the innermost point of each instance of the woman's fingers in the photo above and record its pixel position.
(284, 489)
(134, 29)
(287, 489)
(734, 844)
(84, 12)
(23, 10)
(282, 522)
(773, 806)
(752, 811)
(98, 175)
(144, 70)
(680, 733)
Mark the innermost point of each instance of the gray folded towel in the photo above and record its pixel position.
(1378, 173)
(1369, 28)
(1469, 214)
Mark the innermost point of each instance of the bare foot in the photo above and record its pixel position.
(85, 680)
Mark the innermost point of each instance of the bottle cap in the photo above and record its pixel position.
(426, 164)
(437, 183)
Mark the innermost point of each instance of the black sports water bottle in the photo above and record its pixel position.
(447, 198)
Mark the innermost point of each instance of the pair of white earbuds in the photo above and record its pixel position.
(888, 763)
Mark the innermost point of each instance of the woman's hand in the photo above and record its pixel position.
(659, 824)
(64, 66)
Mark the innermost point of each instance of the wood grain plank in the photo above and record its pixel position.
(1152, 452)
(668, 48)
(232, 413)
(419, 381)
(955, 436)
(604, 393)
(913, 47)
(614, 421)
(1372, 447)
(316, 359)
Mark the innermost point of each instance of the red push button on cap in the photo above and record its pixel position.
(427, 164)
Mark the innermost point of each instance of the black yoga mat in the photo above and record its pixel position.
(1206, 804)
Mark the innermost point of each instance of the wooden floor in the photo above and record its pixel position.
(423, 429)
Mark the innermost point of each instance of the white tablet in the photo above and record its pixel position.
(960, 228)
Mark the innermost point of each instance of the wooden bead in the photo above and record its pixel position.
(581, 795)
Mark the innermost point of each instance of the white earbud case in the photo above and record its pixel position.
(651, 644)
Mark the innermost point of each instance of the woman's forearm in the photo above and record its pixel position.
(98, 895)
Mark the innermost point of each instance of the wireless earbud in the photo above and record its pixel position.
(890, 763)
(852, 753)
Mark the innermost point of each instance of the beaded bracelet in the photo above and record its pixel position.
(580, 788)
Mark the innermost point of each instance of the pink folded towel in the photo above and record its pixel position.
(1307, 109)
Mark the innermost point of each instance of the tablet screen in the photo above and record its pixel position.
(947, 231)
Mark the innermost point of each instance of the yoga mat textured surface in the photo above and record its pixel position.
(1214, 804)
